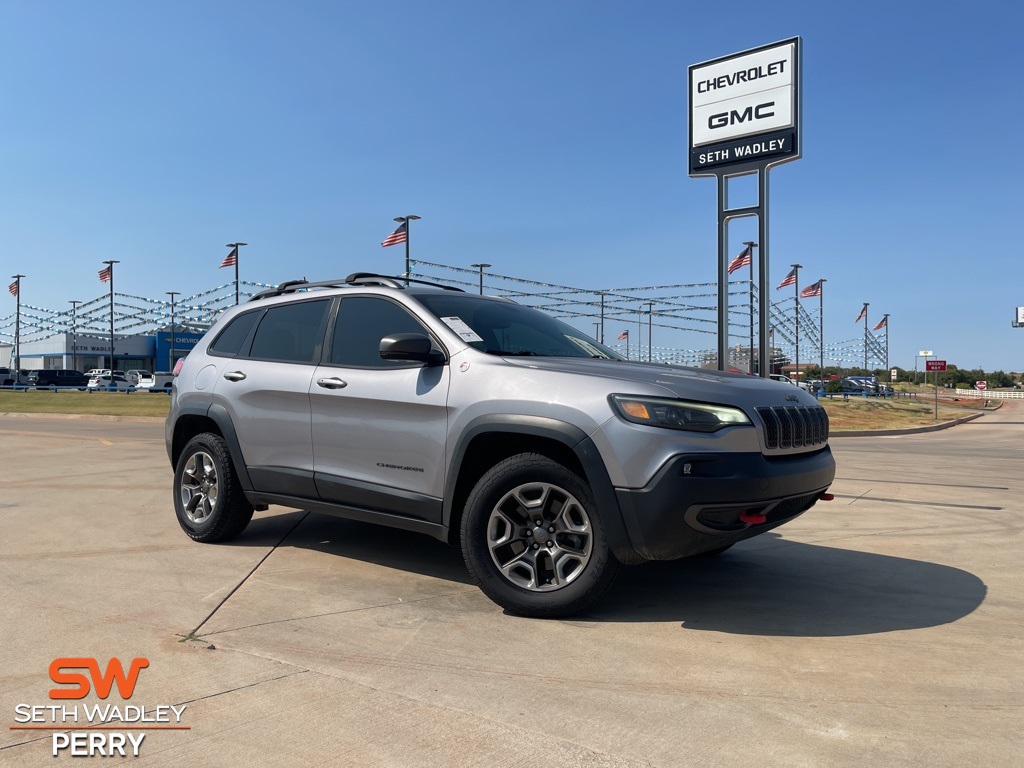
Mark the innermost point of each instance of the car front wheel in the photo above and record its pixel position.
(533, 539)
(208, 501)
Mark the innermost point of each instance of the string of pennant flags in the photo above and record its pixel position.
(678, 309)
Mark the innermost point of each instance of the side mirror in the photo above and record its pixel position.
(412, 347)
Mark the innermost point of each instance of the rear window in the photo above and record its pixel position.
(291, 333)
(229, 341)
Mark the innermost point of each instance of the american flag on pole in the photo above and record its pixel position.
(400, 235)
(105, 274)
(790, 279)
(743, 260)
(231, 259)
(13, 288)
(881, 324)
(624, 335)
(812, 290)
(863, 314)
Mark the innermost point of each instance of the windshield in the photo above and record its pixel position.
(508, 329)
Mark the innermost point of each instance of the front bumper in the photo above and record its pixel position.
(695, 502)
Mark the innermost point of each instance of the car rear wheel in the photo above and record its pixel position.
(208, 501)
(533, 539)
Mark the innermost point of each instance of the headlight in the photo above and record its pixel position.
(677, 414)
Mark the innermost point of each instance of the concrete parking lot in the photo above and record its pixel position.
(882, 628)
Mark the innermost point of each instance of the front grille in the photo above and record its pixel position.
(794, 426)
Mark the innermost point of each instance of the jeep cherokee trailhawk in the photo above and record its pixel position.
(545, 455)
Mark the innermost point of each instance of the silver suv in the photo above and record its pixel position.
(479, 421)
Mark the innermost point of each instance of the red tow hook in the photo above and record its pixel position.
(827, 497)
(752, 518)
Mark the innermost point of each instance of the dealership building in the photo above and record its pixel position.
(150, 352)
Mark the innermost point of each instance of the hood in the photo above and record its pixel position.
(700, 384)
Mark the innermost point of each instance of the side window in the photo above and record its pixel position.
(362, 322)
(291, 333)
(230, 339)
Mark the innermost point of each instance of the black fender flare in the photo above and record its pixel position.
(573, 438)
(219, 415)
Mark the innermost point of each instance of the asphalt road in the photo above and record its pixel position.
(882, 628)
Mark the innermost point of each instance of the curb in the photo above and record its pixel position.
(85, 417)
(910, 431)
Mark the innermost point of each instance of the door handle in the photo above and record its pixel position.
(332, 383)
(234, 375)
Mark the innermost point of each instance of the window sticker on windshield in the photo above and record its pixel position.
(459, 326)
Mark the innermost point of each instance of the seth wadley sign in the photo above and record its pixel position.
(748, 95)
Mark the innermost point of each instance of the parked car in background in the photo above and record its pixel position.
(139, 378)
(57, 378)
(854, 387)
(162, 381)
(117, 381)
(9, 376)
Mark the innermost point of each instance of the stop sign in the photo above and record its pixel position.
(981, 385)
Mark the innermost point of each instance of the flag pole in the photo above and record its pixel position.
(236, 247)
(796, 315)
(407, 220)
(111, 264)
(821, 330)
(865, 338)
(885, 317)
(750, 246)
(17, 327)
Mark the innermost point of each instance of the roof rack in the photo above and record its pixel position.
(356, 278)
(371, 278)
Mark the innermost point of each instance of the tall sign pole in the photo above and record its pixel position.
(745, 119)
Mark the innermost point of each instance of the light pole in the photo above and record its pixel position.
(602, 319)
(17, 327)
(482, 266)
(650, 325)
(110, 272)
(597, 329)
(639, 332)
(74, 332)
(236, 246)
(407, 220)
(172, 294)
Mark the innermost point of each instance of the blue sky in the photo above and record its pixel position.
(547, 138)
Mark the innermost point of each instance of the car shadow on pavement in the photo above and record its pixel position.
(771, 586)
(366, 542)
(791, 589)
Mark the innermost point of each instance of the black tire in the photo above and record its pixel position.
(501, 525)
(208, 500)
